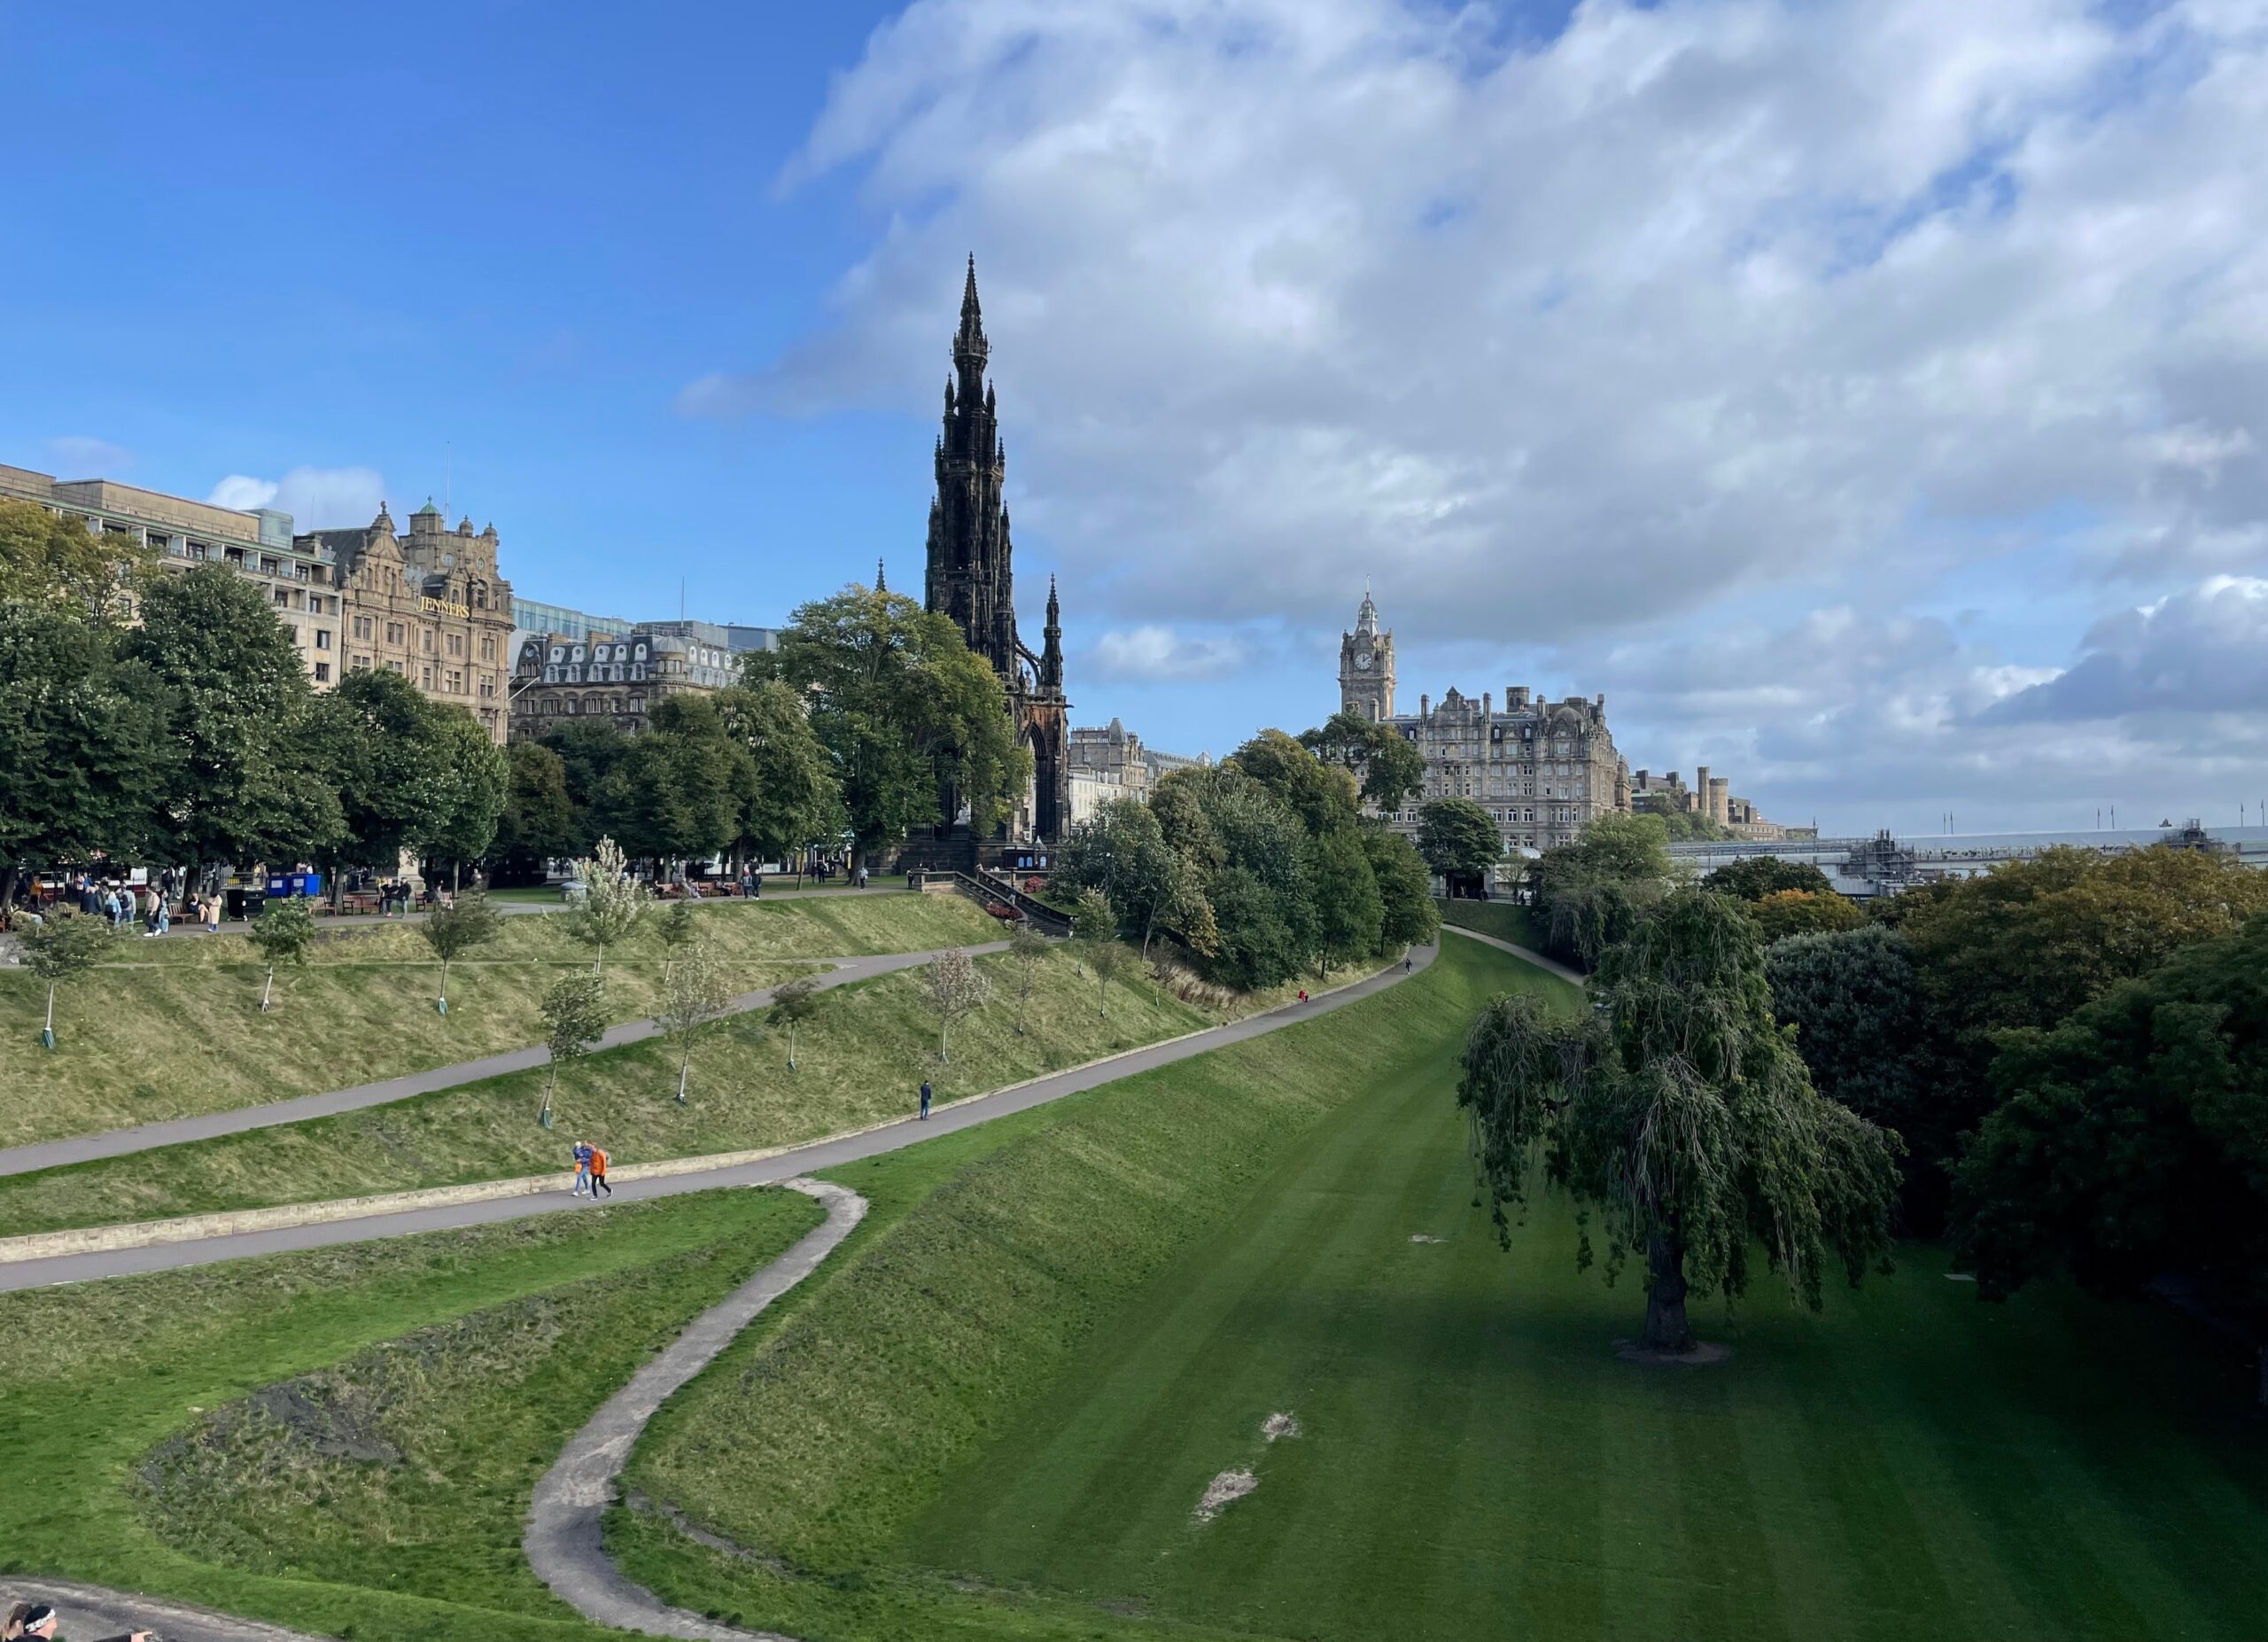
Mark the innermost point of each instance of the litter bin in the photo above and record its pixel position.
(243, 901)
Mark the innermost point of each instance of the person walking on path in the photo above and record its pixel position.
(925, 1100)
(213, 914)
(39, 1621)
(598, 1173)
(582, 1157)
(1303, 994)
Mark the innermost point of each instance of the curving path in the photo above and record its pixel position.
(562, 1539)
(1549, 966)
(209, 1126)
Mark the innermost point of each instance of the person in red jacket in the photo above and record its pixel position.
(598, 1172)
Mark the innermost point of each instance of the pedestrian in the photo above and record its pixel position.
(162, 918)
(598, 1173)
(13, 1626)
(212, 914)
(925, 1100)
(40, 1621)
(110, 904)
(1303, 994)
(1408, 964)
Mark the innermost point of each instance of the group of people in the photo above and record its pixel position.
(123, 905)
(590, 1170)
(27, 1621)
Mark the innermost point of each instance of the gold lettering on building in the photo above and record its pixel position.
(444, 607)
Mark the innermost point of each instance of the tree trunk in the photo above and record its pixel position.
(683, 1067)
(7, 888)
(1666, 1330)
(456, 878)
(267, 989)
(49, 1027)
(445, 983)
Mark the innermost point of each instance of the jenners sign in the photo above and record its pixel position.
(444, 607)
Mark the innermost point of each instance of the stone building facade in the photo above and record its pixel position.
(301, 580)
(971, 577)
(1540, 769)
(429, 605)
(617, 679)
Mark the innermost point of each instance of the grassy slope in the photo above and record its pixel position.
(1504, 920)
(824, 1439)
(173, 1030)
(98, 1379)
(995, 1421)
(860, 1062)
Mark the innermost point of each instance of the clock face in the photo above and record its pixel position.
(1362, 661)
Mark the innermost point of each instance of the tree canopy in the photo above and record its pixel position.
(1756, 876)
(1680, 1115)
(52, 561)
(1391, 769)
(1784, 912)
(1592, 889)
(906, 711)
(1458, 839)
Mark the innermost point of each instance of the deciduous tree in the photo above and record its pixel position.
(793, 796)
(64, 949)
(468, 922)
(1028, 951)
(1323, 796)
(54, 562)
(1458, 839)
(955, 987)
(1784, 912)
(1408, 916)
(794, 1003)
(612, 904)
(1094, 925)
(538, 825)
(574, 1018)
(1756, 876)
(694, 997)
(1679, 1113)
(1389, 767)
(1349, 911)
(282, 932)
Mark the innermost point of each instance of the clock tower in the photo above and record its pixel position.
(1366, 666)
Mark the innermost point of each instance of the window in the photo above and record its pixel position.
(394, 635)
(427, 633)
(488, 684)
(487, 647)
(364, 625)
(282, 599)
(323, 673)
(270, 567)
(361, 664)
(456, 644)
(322, 638)
(298, 573)
(393, 667)
(426, 682)
(455, 685)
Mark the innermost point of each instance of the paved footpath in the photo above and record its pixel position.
(209, 1126)
(562, 1538)
(1549, 966)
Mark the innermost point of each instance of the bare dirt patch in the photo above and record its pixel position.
(1279, 1425)
(1423, 1237)
(1701, 1356)
(1225, 1490)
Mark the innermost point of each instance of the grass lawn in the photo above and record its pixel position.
(410, 1393)
(1507, 921)
(173, 1029)
(996, 1418)
(860, 1062)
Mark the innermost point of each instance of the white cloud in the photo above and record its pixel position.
(316, 498)
(77, 456)
(2204, 651)
(1564, 339)
(1161, 655)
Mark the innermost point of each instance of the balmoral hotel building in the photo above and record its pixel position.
(429, 605)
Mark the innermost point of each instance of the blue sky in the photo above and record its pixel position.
(1861, 396)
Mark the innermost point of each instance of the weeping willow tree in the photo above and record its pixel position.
(1677, 1113)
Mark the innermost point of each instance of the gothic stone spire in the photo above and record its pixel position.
(971, 577)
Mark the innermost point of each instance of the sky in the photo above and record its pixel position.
(1859, 396)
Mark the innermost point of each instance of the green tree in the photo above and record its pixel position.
(678, 929)
(1350, 913)
(1784, 912)
(696, 995)
(1592, 889)
(249, 786)
(1459, 839)
(1755, 876)
(282, 932)
(2132, 1141)
(1028, 951)
(468, 922)
(376, 741)
(793, 1004)
(1389, 767)
(1253, 854)
(587, 750)
(1323, 796)
(474, 773)
(906, 711)
(538, 825)
(612, 904)
(793, 796)
(1094, 925)
(574, 1018)
(53, 562)
(1679, 1113)
(955, 987)
(84, 763)
(1408, 916)
(63, 949)
(1866, 1032)
(1120, 853)
(676, 794)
